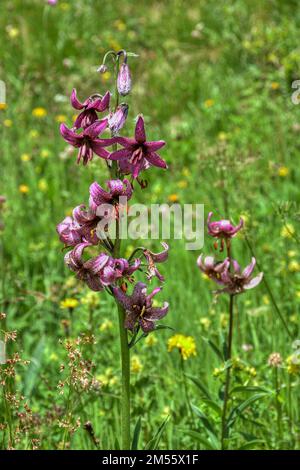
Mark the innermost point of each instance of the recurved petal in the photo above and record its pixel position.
(155, 145)
(96, 264)
(125, 300)
(74, 100)
(249, 269)
(96, 128)
(120, 154)
(98, 194)
(156, 313)
(254, 282)
(97, 147)
(163, 255)
(115, 187)
(103, 104)
(70, 136)
(155, 160)
(140, 135)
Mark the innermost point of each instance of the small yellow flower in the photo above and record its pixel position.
(166, 412)
(222, 136)
(64, 6)
(294, 266)
(275, 85)
(33, 134)
(287, 231)
(293, 365)
(185, 344)
(120, 25)
(91, 299)
(182, 184)
(209, 103)
(43, 185)
(283, 171)
(266, 300)
(60, 118)
(45, 153)
(291, 253)
(151, 340)
(23, 189)
(106, 325)
(39, 112)
(7, 122)
(173, 198)
(68, 303)
(3, 106)
(135, 364)
(186, 172)
(205, 322)
(224, 320)
(12, 32)
(298, 294)
(25, 157)
(53, 357)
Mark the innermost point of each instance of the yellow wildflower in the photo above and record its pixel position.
(24, 189)
(60, 118)
(287, 231)
(43, 185)
(151, 340)
(283, 171)
(64, 6)
(291, 253)
(53, 357)
(105, 76)
(265, 299)
(3, 106)
(185, 344)
(7, 122)
(120, 25)
(209, 103)
(294, 266)
(12, 31)
(39, 112)
(69, 303)
(173, 198)
(186, 172)
(91, 299)
(135, 364)
(45, 153)
(106, 325)
(293, 365)
(33, 134)
(25, 157)
(222, 136)
(182, 184)
(205, 322)
(275, 85)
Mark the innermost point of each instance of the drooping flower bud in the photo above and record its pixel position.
(117, 120)
(102, 68)
(124, 80)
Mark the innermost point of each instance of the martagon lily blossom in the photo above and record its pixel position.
(92, 105)
(222, 228)
(139, 308)
(87, 141)
(137, 154)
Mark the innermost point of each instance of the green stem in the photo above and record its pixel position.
(228, 373)
(278, 404)
(186, 391)
(125, 366)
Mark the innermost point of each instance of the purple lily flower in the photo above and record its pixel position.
(100, 271)
(117, 188)
(212, 268)
(124, 80)
(139, 309)
(237, 281)
(90, 107)
(138, 154)
(222, 228)
(87, 141)
(81, 227)
(117, 120)
(153, 258)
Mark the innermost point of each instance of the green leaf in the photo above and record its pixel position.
(213, 405)
(251, 444)
(214, 347)
(237, 410)
(154, 442)
(34, 367)
(198, 384)
(249, 388)
(136, 435)
(198, 437)
(204, 419)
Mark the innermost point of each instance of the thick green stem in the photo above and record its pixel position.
(125, 366)
(228, 371)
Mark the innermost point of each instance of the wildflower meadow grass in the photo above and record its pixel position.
(140, 343)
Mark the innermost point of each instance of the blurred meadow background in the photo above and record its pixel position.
(213, 79)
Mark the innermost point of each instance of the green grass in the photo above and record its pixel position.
(226, 153)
